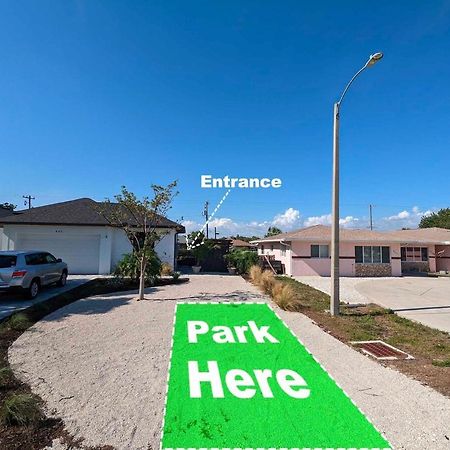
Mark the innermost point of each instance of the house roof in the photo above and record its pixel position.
(241, 243)
(426, 235)
(82, 211)
(4, 212)
(319, 233)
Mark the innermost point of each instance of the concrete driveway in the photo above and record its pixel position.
(425, 300)
(11, 303)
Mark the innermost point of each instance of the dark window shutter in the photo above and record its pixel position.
(314, 251)
(403, 253)
(358, 254)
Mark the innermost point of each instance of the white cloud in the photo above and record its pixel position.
(400, 216)
(349, 221)
(291, 219)
(404, 219)
(287, 220)
(223, 222)
(190, 225)
(325, 219)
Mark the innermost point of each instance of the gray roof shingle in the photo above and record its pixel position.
(82, 211)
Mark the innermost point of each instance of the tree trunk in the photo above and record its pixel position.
(142, 278)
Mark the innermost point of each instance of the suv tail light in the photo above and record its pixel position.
(19, 273)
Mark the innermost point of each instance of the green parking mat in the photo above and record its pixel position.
(240, 379)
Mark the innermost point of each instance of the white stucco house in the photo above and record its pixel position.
(79, 234)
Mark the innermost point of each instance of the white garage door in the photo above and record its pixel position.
(80, 252)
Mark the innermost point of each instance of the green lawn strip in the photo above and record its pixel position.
(326, 418)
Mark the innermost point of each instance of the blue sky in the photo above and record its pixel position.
(96, 94)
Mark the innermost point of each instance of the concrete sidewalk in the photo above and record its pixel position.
(11, 303)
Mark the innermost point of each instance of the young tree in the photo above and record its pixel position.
(440, 219)
(272, 231)
(140, 220)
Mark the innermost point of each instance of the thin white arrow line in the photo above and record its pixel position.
(191, 246)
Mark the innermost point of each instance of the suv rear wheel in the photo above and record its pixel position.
(33, 291)
(62, 281)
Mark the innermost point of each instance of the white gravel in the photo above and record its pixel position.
(101, 365)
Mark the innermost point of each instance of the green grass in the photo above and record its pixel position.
(5, 376)
(19, 322)
(20, 409)
(440, 363)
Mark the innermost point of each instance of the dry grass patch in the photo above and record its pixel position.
(255, 274)
(267, 281)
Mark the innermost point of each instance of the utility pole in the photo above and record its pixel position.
(28, 199)
(370, 217)
(206, 214)
(216, 233)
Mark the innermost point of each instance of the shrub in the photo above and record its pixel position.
(276, 290)
(255, 273)
(129, 267)
(243, 260)
(166, 269)
(5, 376)
(20, 409)
(176, 275)
(267, 281)
(19, 322)
(284, 297)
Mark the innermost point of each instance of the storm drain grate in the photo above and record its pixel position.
(381, 350)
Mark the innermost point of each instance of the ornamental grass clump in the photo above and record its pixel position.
(6, 375)
(267, 281)
(284, 297)
(255, 273)
(166, 269)
(20, 409)
(19, 322)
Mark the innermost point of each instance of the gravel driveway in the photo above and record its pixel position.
(101, 364)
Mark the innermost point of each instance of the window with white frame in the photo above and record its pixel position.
(372, 254)
(320, 251)
(414, 254)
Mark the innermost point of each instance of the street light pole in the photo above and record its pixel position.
(334, 302)
(334, 298)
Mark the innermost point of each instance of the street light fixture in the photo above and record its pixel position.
(334, 299)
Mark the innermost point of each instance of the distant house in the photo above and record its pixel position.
(243, 245)
(76, 232)
(362, 252)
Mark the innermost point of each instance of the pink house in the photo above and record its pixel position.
(362, 252)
